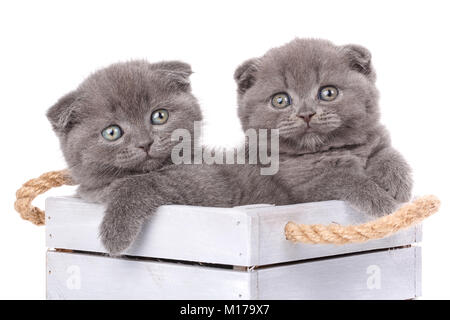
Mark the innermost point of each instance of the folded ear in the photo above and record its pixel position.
(175, 66)
(65, 113)
(359, 59)
(245, 74)
(178, 73)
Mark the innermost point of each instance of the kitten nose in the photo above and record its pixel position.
(145, 146)
(306, 116)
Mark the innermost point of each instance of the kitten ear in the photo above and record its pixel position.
(65, 113)
(245, 74)
(359, 59)
(176, 66)
(178, 73)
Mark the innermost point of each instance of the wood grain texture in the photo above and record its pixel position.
(241, 236)
(386, 274)
(89, 276)
(273, 247)
(214, 235)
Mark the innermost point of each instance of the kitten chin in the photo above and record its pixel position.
(153, 164)
(311, 141)
(307, 142)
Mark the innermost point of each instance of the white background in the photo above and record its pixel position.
(48, 47)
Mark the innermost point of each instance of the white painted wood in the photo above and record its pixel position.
(418, 282)
(273, 247)
(242, 236)
(215, 235)
(89, 276)
(386, 274)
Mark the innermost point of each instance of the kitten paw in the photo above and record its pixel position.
(371, 199)
(116, 233)
(397, 186)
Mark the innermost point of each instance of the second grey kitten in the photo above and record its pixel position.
(323, 100)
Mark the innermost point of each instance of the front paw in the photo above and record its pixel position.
(397, 185)
(117, 233)
(371, 199)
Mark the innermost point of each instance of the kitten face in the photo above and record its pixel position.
(311, 90)
(121, 118)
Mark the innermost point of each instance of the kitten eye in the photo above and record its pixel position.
(281, 100)
(160, 116)
(112, 133)
(328, 93)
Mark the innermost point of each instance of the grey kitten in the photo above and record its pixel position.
(112, 126)
(115, 133)
(323, 100)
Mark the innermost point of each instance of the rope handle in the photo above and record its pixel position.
(31, 189)
(408, 215)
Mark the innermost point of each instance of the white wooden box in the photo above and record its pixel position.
(187, 252)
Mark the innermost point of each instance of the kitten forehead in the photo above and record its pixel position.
(303, 60)
(129, 88)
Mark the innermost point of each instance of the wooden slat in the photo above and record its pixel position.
(214, 235)
(241, 236)
(418, 282)
(273, 247)
(386, 274)
(89, 276)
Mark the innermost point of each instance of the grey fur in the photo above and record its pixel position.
(118, 173)
(345, 154)
(124, 94)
